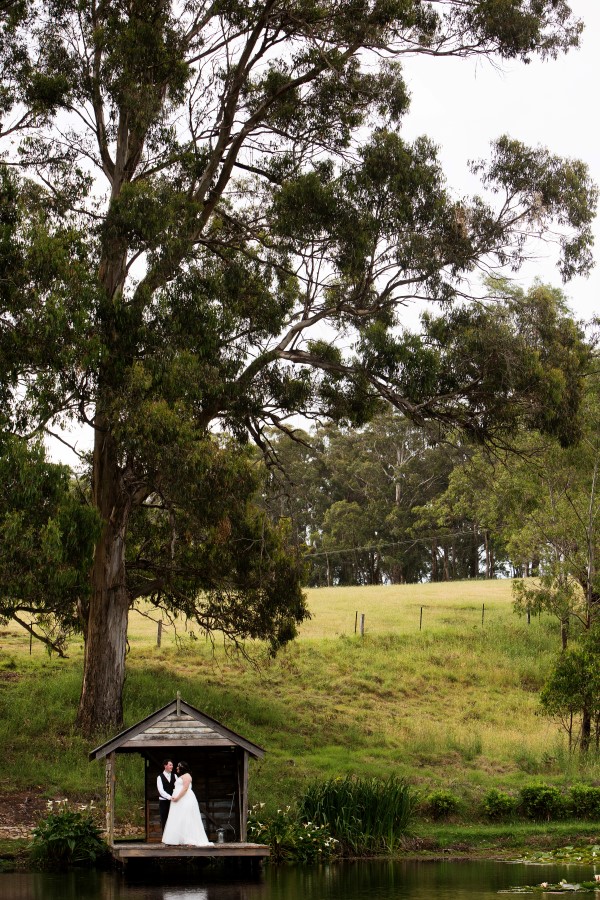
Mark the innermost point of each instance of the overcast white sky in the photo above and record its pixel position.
(464, 104)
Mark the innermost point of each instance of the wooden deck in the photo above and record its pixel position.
(123, 850)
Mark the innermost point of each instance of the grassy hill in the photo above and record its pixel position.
(441, 689)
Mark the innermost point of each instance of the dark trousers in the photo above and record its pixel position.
(163, 808)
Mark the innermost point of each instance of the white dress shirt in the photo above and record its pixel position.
(161, 791)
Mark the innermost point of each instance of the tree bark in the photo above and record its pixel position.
(475, 553)
(101, 703)
(434, 562)
(564, 632)
(586, 730)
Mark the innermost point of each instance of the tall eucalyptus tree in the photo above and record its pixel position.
(235, 225)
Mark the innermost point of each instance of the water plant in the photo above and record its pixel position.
(68, 836)
(366, 815)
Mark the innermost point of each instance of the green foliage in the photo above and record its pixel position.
(66, 837)
(48, 533)
(441, 804)
(363, 814)
(571, 694)
(291, 838)
(498, 805)
(541, 801)
(584, 801)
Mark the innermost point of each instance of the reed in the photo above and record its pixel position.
(366, 815)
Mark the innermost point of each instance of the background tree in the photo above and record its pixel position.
(352, 494)
(226, 180)
(560, 529)
(572, 693)
(48, 531)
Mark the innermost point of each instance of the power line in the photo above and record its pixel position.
(407, 543)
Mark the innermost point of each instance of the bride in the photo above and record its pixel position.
(184, 823)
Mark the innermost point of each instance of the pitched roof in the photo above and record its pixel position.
(176, 725)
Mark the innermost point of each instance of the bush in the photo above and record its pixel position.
(68, 837)
(584, 801)
(540, 801)
(366, 815)
(498, 805)
(290, 839)
(442, 804)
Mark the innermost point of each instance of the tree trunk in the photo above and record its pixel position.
(434, 560)
(586, 730)
(564, 632)
(475, 554)
(101, 701)
(446, 568)
(488, 570)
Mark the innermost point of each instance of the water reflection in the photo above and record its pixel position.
(361, 880)
(185, 894)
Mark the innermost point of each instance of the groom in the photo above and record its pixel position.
(165, 784)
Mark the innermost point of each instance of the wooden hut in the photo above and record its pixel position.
(218, 759)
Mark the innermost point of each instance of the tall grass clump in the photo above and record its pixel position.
(366, 815)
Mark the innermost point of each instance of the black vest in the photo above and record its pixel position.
(168, 785)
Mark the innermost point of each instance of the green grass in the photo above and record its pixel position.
(453, 705)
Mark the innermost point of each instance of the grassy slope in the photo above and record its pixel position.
(454, 705)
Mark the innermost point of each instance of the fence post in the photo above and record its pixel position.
(421, 619)
(362, 624)
(355, 621)
(482, 613)
(159, 633)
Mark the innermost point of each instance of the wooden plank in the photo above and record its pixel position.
(243, 793)
(176, 727)
(110, 797)
(130, 850)
(140, 744)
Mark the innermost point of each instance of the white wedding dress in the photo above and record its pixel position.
(184, 823)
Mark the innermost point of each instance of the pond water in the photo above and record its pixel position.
(361, 880)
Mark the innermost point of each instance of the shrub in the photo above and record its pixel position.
(366, 815)
(67, 837)
(441, 804)
(290, 839)
(540, 801)
(498, 805)
(584, 801)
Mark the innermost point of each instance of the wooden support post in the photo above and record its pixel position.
(421, 619)
(243, 797)
(362, 624)
(355, 621)
(178, 703)
(159, 634)
(110, 799)
(482, 613)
